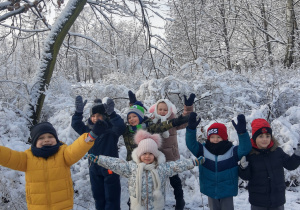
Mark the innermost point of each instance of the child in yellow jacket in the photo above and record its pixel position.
(47, 166)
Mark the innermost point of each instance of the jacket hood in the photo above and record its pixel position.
(273, 148)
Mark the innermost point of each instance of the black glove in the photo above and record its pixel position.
(190, 100)
(99, 128)
(109, 106)
(179, 120)
(240, 127)
(193, 122)
(79, 104)
(132, 98)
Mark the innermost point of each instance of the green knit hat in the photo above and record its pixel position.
(137, 109)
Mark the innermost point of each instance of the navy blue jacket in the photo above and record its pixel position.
(107, 143)
(219, 174)
(266, 175)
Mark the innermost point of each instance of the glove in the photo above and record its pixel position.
(79, 104)
(199, 161)
(179, 120)
(190, 100)
(132, 98)
(99, 128)
(240, 127)
(243, 162)
(297, 151)
(193, 122)
(109, 106)
(92, 157)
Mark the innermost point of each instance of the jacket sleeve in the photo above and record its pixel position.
(117, 165)
(290, 162)
(192, 144)
(78, 125)
(159, 127)
(245, 145)
(174, 167)
(13, 159)
(186, 111)
(77, 150)
(118, 125)
(245, 174)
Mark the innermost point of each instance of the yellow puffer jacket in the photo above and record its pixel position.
(48, 181)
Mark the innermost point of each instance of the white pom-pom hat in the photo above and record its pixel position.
(147, 143)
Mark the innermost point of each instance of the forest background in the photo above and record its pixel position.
(237, 56)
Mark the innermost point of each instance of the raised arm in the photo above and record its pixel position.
(77, 118)
(187, 108)
(78, 149)
(190, 136)
(244, 140)
(12, 159)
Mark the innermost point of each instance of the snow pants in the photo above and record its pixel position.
(106, 188)
(177, 186)
(265, 208)
(220, 204)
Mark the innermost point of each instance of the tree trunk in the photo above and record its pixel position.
(265, 24)
(51, 48)
(291, 23)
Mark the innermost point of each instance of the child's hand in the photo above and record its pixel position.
(179, 120)
(190, 100)
(92, 157)
(98, 129)
(79, 104)
(199, 161)
(193, 122)
(132, 98)
(244, 163)
(240, 127)
(297, 151)
(109, 106)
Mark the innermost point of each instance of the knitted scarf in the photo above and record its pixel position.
(45, 151)
(157, 194)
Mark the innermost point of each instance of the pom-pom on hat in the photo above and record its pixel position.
(97, 107)
(40, 129)
(260, 126)
(138, 109)
(218, 129)
(147, 143)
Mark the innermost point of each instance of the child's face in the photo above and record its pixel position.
(215, 138)
(96, 117)
(263, 140)
(162, 109)
(46, 139)
(147, 158)
(133, 119)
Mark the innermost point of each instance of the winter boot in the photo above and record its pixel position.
(180, 204)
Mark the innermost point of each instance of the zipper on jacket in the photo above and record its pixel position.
(47, 184)
(216, 175)
(147, 188)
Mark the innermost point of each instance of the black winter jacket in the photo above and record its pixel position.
(266, 175)
(105, 144)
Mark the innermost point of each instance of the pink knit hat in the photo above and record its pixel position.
(147, 143)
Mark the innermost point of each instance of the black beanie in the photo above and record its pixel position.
(97, 107)
(40, 129)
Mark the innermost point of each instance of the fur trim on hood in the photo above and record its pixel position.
(273, 148)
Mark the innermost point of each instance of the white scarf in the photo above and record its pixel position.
(157, 194)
